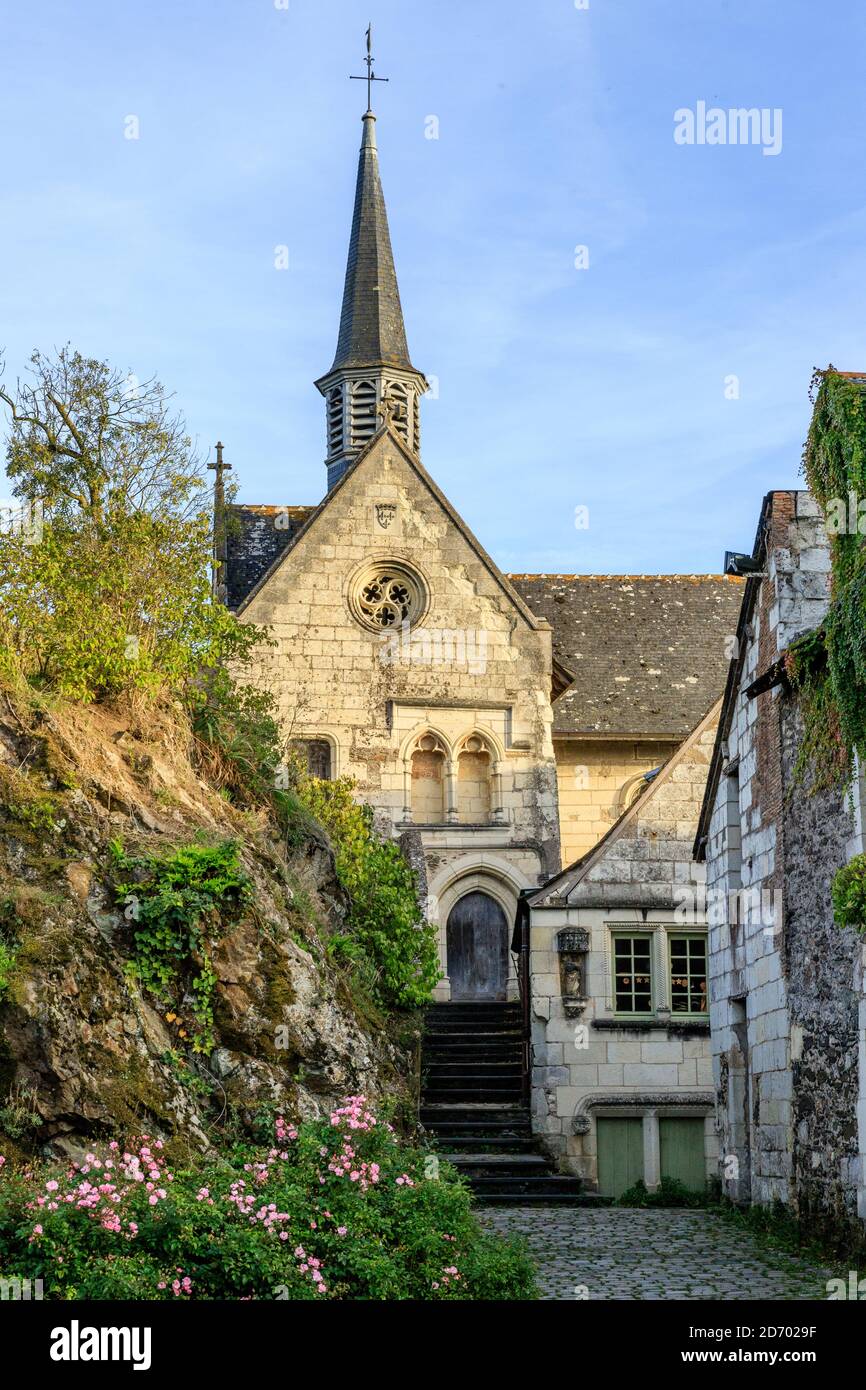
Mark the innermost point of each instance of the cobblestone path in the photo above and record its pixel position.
(626, 1253)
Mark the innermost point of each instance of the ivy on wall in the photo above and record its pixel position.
(827, 667)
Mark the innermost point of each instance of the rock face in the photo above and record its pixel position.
(84, 1049)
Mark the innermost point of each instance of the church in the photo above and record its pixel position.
(501, 725)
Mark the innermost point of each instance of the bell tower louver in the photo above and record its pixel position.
(371, 378)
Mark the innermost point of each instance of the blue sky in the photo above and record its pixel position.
(558, 387)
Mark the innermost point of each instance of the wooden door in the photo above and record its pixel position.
(620, 1154)
(477, 946)
(682, 1152)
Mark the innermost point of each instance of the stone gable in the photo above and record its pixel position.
(475, 662)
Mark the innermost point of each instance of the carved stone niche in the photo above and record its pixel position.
(572, 946)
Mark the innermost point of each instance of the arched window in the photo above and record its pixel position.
(316, 752)
(428, 766)
(385, 595)
(474, 767)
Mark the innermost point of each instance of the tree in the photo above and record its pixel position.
(90, 442)
(116, 592)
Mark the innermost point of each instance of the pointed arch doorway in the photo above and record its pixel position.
(477, 947)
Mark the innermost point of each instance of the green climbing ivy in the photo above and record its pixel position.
(177, 903)
(827, 668)
(849, 894)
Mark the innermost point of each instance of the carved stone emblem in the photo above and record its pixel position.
(385, 513)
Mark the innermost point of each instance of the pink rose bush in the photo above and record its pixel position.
(338, 1208)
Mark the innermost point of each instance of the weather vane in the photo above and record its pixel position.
(371, 76)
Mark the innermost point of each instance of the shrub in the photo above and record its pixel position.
(8, 956)
(669, 1193)
(385, 919)
(849, 894)
(177, 902)
(337, 1209)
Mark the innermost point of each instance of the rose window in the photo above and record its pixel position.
(387, 596)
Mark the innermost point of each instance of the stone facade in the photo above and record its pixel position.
(597, 780)
(595, 1054)
(786, 992)
(472, 678)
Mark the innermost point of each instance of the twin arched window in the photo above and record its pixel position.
(455, 785)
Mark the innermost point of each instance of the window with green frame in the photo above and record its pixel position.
(688, 963)
(632, 974)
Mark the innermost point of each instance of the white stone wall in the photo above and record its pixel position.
(584, 1066)
(581, 1072)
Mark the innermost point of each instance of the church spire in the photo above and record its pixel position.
(372, 359)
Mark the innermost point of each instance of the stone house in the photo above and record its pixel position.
(787, 1006)
(487, 718)
(622, 1079)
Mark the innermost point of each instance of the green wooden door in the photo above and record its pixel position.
(682, 1152)
(620, 1154)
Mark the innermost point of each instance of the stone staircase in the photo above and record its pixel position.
(472, 1102)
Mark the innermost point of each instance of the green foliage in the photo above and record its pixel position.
(849, 894)
(335, 1209)
(385, 920)
(827, 668)
(178, 903)
(237, 722)
(809, 1235)
(8, 956)
(669, 1193)
(18, 1114)
(112, 591)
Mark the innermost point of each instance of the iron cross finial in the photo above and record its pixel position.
(370, 77)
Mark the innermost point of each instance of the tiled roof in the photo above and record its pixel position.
(648, 651)
(255, 537)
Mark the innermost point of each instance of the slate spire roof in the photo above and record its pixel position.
(372, 332)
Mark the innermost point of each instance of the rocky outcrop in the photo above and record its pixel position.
(84, 1049)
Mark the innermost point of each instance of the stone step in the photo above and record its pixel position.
(477, 1126)
(473, 1023)
(471, 1070)
(445, 1023)
(484, 1095)
(538, 1199)
(479, 1115)
(508, 1079)
(467, 1057)
(448, 1143)
(527, 1184)
(508, 1164)
(452, 1008)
